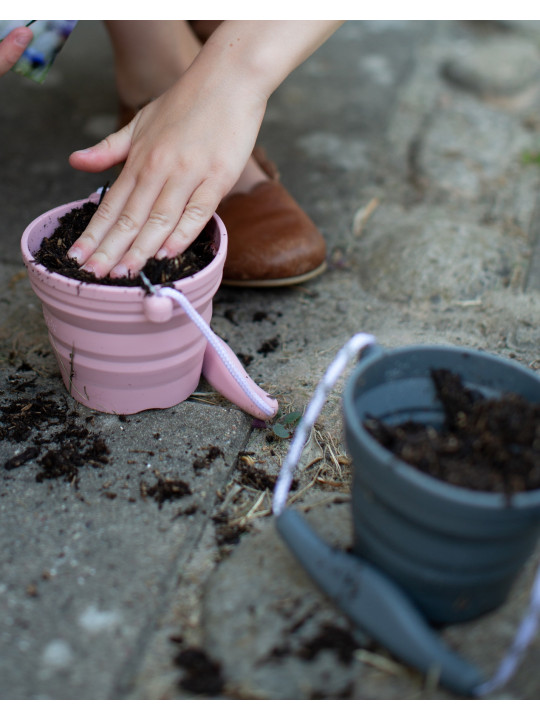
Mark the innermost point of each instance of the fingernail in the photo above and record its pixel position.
(162, 254)
(84, 150)
(119, 271)
(22, 39)
(89, 268)
(75, 254)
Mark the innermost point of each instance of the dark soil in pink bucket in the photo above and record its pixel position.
(53, 254)
(484, 444)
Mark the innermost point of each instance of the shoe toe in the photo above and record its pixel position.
(271, 240)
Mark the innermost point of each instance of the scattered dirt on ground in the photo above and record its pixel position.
(204, 463)
(331, 637)
(201, 675)
(59, 454)
(253, 476)
(165, 489)
(227, 534)
(22, 416)
(66, 460)
(269, 346)
(22, 458)
(245, 359)
(185, 512)
(53, 254)
(484, 444)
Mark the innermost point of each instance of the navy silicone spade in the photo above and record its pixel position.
(377, 605)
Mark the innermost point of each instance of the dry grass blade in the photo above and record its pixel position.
(258, 502)
(252, 512)
(380, 662)
(312, 453)
(207, 398)
(331, 498)
(330, 483)
(302, 491)
(233, 492)
(362, 216)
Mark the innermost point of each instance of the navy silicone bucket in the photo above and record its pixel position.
(455, 552)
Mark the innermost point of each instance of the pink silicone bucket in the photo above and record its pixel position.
(119, 350)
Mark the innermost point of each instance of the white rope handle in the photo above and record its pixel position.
(525, 634)
(349, 351)
(216, 343)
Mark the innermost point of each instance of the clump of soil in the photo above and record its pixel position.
(333, 638)
(70, 456)
(23, 457)
(19, 418)
(205, 462)
(487, 444)
(202, 675)
(53, 254)
(227, 534)
(166, 489)
(245, 359)
(269, 346)
(253, 476)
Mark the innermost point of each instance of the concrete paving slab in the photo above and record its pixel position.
(88, 566)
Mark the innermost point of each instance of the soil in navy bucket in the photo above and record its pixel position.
(53, 254)
(486, 444)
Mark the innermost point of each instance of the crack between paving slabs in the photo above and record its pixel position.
(126, 679)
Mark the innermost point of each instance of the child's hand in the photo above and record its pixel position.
(183, 153)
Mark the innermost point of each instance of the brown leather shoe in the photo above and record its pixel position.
(272, 242)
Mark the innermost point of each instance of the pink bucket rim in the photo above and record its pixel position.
(114, 292)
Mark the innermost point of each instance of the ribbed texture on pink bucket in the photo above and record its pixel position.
(112, 358)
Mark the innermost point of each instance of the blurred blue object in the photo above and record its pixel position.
(49, 38)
